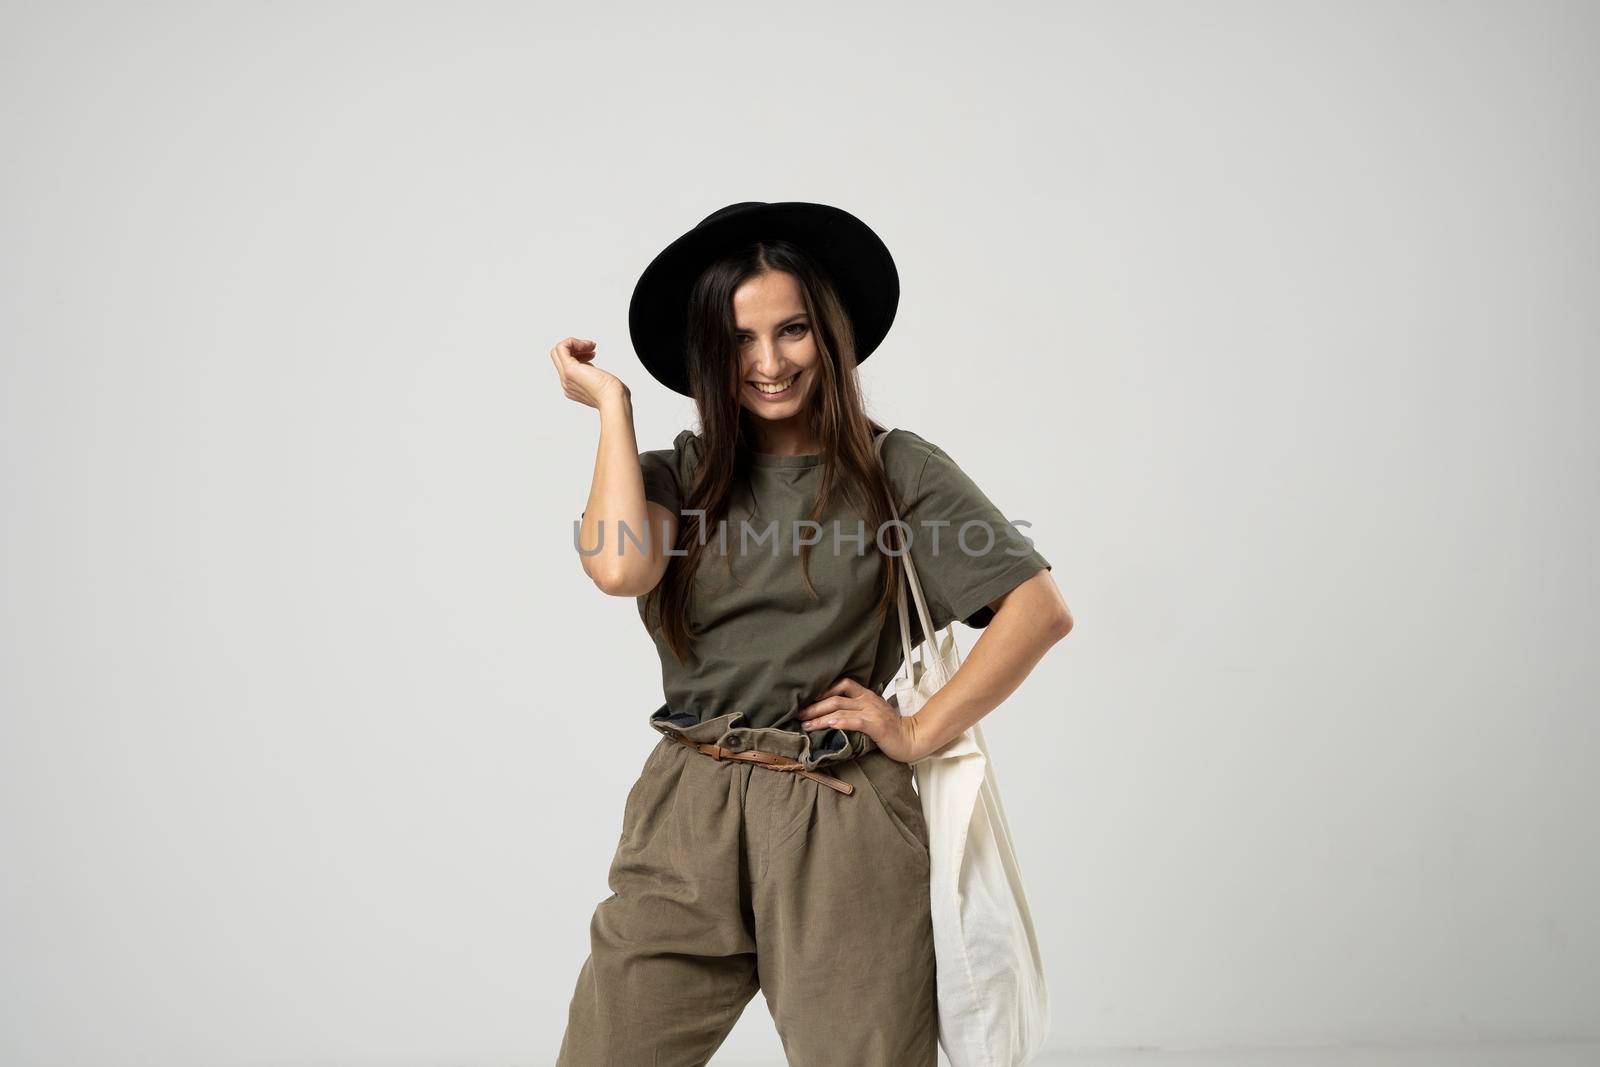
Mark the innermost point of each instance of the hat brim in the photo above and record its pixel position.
(853, 255)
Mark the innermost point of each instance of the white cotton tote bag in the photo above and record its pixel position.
(994, 1009)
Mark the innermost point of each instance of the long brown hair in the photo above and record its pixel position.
(850, 467)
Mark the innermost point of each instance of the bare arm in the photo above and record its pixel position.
(1027, 622)
(633, 533)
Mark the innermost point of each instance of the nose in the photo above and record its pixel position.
(768, 364)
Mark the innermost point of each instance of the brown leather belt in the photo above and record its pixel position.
(771, 760)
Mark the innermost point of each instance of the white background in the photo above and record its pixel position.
(1277, 320)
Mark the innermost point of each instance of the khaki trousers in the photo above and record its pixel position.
(731, 877)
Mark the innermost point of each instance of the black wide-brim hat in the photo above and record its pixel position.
(855, 258)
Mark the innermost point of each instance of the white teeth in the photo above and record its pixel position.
(780, 387)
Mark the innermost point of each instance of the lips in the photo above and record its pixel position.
(766, 391)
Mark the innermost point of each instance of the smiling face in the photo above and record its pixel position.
(778, 358)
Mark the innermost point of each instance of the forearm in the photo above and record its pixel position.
(1029, 620)
(616, 498)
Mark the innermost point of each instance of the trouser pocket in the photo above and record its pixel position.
(890, 783)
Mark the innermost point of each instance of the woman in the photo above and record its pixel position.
(764, 565)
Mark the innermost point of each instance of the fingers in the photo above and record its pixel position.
(843, 695)
(568, 356)
(842, 721)
(847, 705)
(573, 348)
(826, 706)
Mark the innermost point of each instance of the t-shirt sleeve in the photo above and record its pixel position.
(660, 470)
(966, 551)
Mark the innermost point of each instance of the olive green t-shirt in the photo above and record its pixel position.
(764, 646)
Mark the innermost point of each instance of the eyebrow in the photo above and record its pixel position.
(781, 325)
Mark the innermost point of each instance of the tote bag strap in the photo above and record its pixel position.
(923, 616)
(910, 571)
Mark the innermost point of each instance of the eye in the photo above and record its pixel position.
(796, 326)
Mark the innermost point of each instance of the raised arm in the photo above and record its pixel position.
(634, 533)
